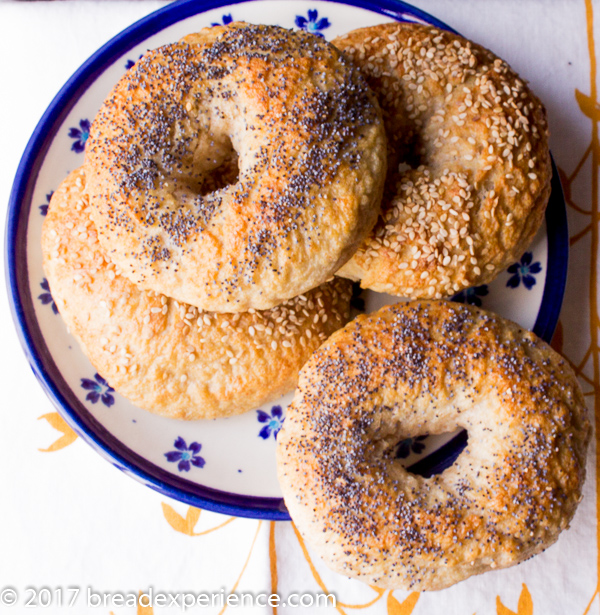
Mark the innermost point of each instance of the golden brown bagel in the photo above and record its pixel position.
(430, 368)
(468, 162)
(311, 147)
(169, 357)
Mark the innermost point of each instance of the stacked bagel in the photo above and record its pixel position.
(469, 167)
(234, 182)
(227, 177)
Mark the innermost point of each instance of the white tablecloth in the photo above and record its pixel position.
(68, 519)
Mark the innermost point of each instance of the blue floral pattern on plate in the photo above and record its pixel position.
(46, 297)
(273, 421)
(225, 20)
(80, 135)
(186, 455)
(240, 471)
(312, 24)
(524, 271)
(98, 389)
(44, 207)
(472, 295)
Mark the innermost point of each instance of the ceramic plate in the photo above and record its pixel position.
(238, 474)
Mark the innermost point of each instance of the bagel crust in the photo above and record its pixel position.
(430, 368)
(469, 167)
(310, 146)
(168, 357)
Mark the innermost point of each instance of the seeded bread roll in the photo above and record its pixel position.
(168, 357)
(468, 162)
(430, 368)
(310, 144)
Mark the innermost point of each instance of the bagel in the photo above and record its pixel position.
(430, 368)
(168, 357)
(469, 168)
(310, 144)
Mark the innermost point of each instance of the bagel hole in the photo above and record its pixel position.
(428, 455)
(404, 154)
(223, 175)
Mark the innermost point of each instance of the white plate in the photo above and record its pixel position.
(238, 474)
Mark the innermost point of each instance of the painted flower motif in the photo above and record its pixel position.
(273, 421)
(80, 135)
(472, 295)
(225, 20)
(414, 444)
(186, 455)
(44, 207)
(313, 24)
(46, 297)
(524, 271)
(98, 389)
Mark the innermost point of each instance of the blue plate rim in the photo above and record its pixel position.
(32, 341)
(557, 265)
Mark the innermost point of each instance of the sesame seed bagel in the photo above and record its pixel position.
(165, 356)
(468, 162)
(430, 368)
(310, 147)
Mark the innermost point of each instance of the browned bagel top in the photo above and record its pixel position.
(430, 368)
(310, 147)
(468, 161)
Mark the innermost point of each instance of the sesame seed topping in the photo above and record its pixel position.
(451, 190)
